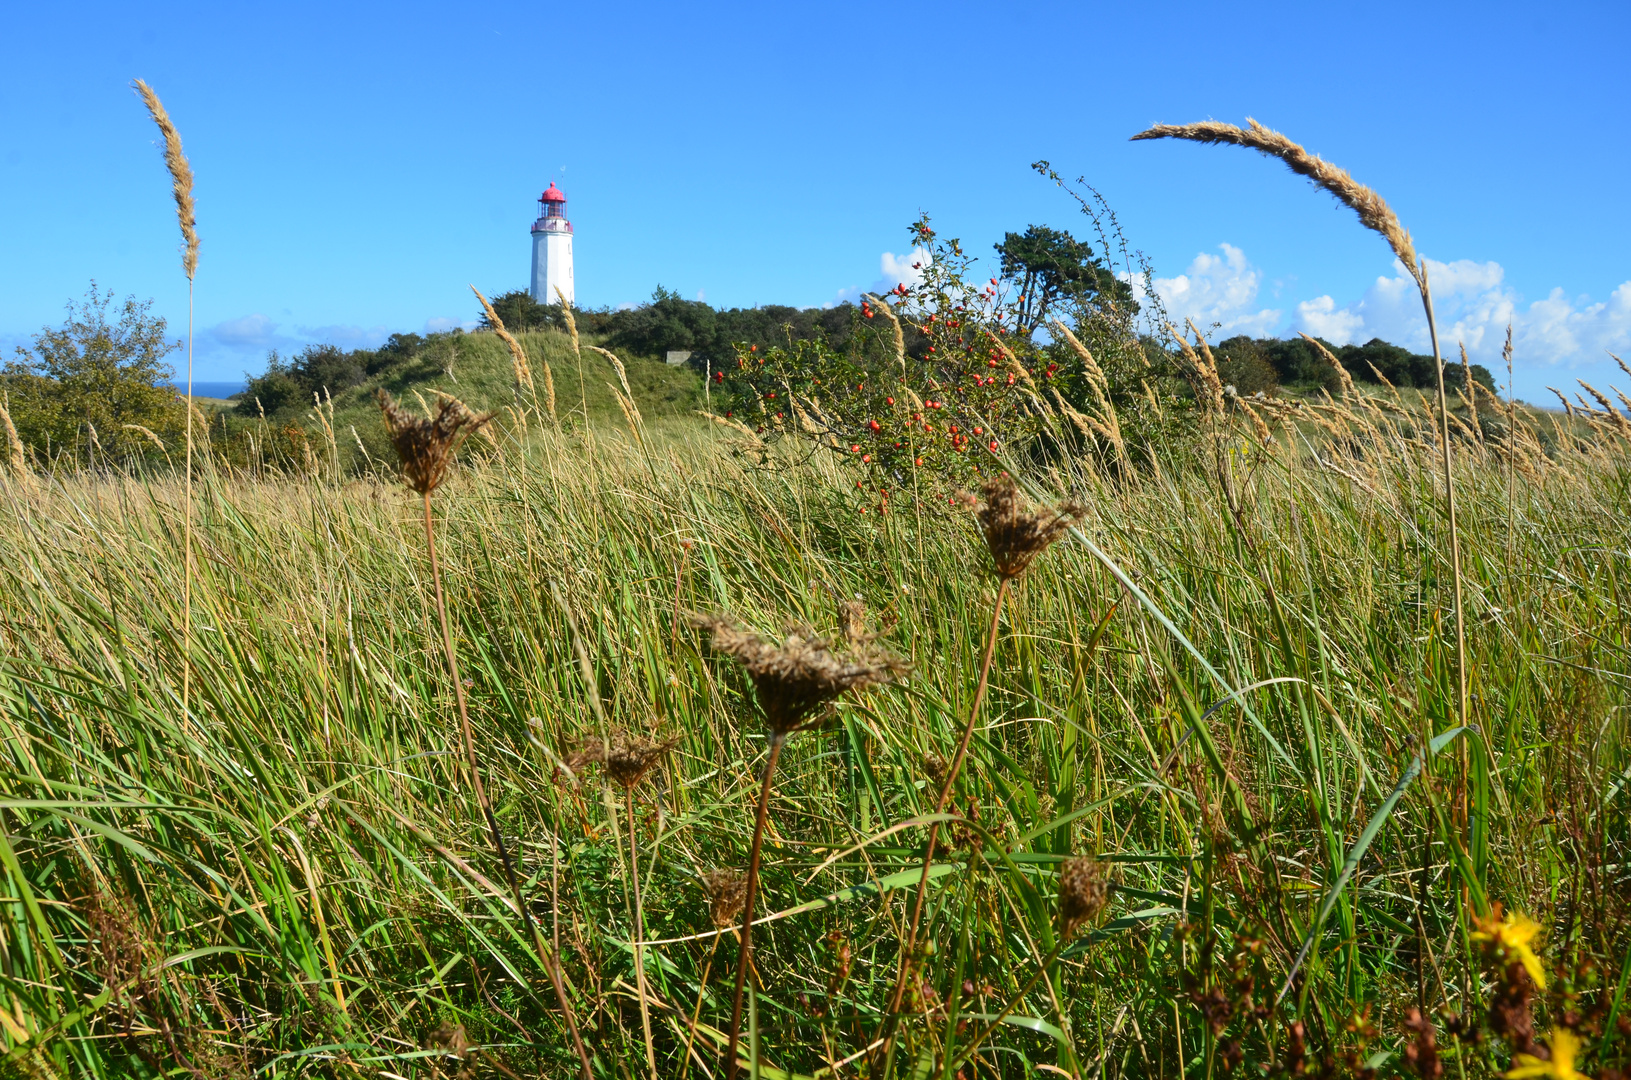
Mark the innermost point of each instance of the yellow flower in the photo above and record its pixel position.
(1565, 1046)
(1511, 936)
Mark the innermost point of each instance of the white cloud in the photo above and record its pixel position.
(702, 295)
(893, 270)
(1473, 305)
(1220, 294)
(1321, 318)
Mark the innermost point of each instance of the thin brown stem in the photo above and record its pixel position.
(910, 940)
(639, 938)
(544, 954)
(1455, 546)
(744, 954)
(187, 583)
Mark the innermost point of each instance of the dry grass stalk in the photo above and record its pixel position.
(181, 188)
(1621, 425)
(577, 351)
(17, 458)
(1343, 377)
(795, 682)
(1206, 373)
(1108, 424)
(1471, 393)
(1374, 212)
(1264, 435)
(518, 355)
(145, 432)
(899, 336)
(425, 447)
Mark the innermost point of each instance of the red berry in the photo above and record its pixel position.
(873, 424)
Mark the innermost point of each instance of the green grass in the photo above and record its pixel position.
(300, 883)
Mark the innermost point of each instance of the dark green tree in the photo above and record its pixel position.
(1053, 271)
(90, 386)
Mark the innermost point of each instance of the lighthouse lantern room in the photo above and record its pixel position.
(552, 249)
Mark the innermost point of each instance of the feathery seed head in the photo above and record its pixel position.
(425, 446)
(627, 757)
(796, 678)
(1084, 890)
(727, 891)
(1014, 534)
(181, 177)
(1374, 212)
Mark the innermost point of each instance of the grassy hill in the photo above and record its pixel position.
(477, 369)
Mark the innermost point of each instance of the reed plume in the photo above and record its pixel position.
(795, 681)
(1374, 212)
(16, 456)
(181, 177)
(518, 355)
(181, 188)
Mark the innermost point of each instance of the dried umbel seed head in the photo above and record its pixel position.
(1084, 889)
(852, 621)
(801, 675)
(425, 446)
(1014, 534)
(626, 757)
(727, 891)
(935, 766)
(1421, 1052)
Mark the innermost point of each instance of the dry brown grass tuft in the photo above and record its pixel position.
(16, 455)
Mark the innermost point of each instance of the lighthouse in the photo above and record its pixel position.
(552, 249)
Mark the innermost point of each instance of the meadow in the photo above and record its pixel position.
(256, 851)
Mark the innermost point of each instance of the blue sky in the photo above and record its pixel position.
(359, 165)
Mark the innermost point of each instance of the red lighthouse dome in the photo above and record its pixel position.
(552, 195)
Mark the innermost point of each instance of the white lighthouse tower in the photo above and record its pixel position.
(552, 249)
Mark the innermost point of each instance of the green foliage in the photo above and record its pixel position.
(1050, 269)
(1299, 363)
(84, 387)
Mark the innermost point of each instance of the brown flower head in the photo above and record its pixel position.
(1014, 534)
(426, 446)
(1421, 1052)
(1084, 889)
(626, 757)
(727, 890)
(797, 678)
